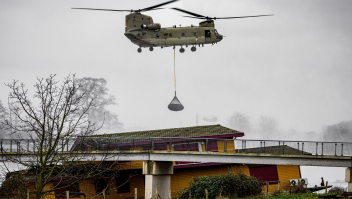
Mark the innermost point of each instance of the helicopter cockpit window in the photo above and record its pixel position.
(170, 35)
(215, 31)
(182, 34)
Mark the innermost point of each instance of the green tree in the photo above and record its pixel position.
(229, 185)
(95, 88)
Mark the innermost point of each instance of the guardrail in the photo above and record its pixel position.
(180, 144)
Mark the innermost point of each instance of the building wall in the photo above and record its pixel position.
(287, 172)
(181, 177)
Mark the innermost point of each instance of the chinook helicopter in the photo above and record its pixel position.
(143, 32)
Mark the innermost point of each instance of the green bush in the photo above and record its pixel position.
(13, 187)
(228, 185)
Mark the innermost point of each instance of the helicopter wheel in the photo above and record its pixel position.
(151, 48)
(193, 49)
(182, 50)
(139, 50)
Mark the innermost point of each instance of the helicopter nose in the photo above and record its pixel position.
(219, 36)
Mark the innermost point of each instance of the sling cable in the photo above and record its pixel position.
(175, 104)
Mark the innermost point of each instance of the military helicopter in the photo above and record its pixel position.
(142, 31)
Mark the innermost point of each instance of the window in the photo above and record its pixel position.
(185, 147)
(170, 35)
(119, 146)
(157, 146)
(61, 193)
(182, 34)
(157, 35)
(264, 173)
(123, 184)
(195, 33)
(100, 185)
(215, 31)
(213, 145)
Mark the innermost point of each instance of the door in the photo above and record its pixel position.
(207, 35)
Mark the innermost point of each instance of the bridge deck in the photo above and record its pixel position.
(204, 157)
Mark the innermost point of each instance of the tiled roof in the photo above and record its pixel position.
(185, 132)
(284, 149)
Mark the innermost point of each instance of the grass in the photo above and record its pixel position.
(287, 195)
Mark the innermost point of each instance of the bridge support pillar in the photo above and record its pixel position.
(348, 179)
(157, 176)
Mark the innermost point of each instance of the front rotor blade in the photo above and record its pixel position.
(195, 17)
(242, 17)
(188, 12)
(103, 9)
(162, 4)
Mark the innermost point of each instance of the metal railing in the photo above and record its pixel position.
(180, 144)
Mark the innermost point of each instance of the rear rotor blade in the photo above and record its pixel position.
(153, 9)
(198, 16)
(103, 9)
(241, 17)
(188, 12)
(156, 6)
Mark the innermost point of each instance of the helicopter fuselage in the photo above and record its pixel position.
(142, 31)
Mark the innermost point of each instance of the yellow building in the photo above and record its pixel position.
(198, 138)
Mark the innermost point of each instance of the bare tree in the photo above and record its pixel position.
(53, 119)
(3, 116)
(99, 113)
(338, 132)
(267, 127)
(240, 121)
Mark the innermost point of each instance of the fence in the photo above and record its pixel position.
(180, 144)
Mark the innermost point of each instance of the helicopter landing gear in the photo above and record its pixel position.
(151, 48)
(193, 49)
(182, 50)
(139, 50)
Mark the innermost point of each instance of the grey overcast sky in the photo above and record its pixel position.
(294, 66)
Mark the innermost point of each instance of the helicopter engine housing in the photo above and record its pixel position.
(155, 26)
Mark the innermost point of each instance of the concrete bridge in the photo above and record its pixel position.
(158, 164)
(205, 157)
